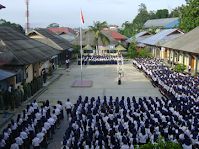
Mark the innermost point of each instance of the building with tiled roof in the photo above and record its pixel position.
(59, 30)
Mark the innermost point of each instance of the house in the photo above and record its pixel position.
(49, 38)
(160, 38)
(67, 35)
(113, 27)
(163, 23)
(139, 37)
(58, 30)
(22, 56)
(88, 39)
(185, 49)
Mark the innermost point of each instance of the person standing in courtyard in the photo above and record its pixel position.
(119, 79)
(66, 63)
(68, 108)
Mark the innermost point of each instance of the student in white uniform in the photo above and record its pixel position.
(14, 145)
(2, 142)
(68, 108)
(19, 141)
(35, 142)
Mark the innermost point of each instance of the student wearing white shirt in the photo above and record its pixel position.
(143, 136)
(35, 142)
(35, 105)
(14, 128)
(19, 122)
(14, 145)
(24, 136)
(19, 141)
(68, 108)
(2, 142)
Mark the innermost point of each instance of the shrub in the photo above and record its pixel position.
(180, 67)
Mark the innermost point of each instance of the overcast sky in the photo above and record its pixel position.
(67, 12)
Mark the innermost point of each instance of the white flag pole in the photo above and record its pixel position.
(81, 41)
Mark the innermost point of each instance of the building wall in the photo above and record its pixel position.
(29, 73)
(35, 36)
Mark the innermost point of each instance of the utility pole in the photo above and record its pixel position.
(27, 25)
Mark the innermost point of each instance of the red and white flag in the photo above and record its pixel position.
(82, 18)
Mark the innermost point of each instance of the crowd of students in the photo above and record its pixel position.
(174, 85)
(34, 127)
(122, 124)
(98, 60)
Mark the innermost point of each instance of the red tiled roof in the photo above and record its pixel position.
(61, 29)
(2, 63)
(115, 34)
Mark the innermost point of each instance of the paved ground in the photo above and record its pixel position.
(104, 79)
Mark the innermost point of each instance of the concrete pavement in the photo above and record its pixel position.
(104, 77)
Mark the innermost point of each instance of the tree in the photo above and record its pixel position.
(190, 17)
(160, 144)
(53, 25)
(144, 52)
(96, 28)
(162, 13)
(142, 15)
(76, 50)
(180, 67)
(14, 25)
(132, 53)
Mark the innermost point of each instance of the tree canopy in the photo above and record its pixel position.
(14, 25)
(190, 18)
(96, 28)
(134, 27)
(53, 25)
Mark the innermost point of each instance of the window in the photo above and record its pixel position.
(18, 78)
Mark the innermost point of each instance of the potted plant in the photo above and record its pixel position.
(6, 111)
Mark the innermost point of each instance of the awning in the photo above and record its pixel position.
(88, 47)
(120, 48)
(2, 63)
(54, 56)
(5, 74)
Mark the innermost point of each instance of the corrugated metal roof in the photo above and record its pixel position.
(5, 74)
(67, 32)
(161, 36)
(140, 36)
(188, 42)
(18, 49)
(51, 39)
(159, 22)
(172, 24)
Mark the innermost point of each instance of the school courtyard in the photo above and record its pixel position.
(104, 83)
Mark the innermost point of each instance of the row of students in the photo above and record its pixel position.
(98, 60)
(124, 123)
(36, 126)
(173, 84)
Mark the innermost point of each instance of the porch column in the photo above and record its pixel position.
(196, 64)
(169, 54)
(156, 51)
(173, 56)
(159, 52)
(189, 59)
(183, 57)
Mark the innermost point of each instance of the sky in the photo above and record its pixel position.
(66, 13)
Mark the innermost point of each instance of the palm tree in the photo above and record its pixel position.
(96, 28)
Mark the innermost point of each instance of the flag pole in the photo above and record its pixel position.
(81, 41)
